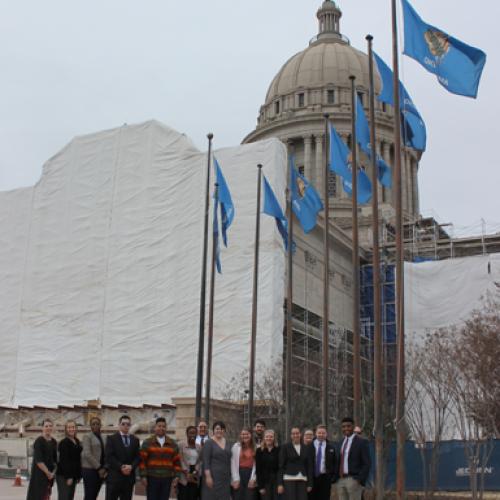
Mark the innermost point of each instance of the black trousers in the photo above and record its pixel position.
(120, 489)
(92, 483)
(244, 492)
(322, 487)
(271, 488)
(65, 491)
(295, 490)
(189, 492)
(159, 488)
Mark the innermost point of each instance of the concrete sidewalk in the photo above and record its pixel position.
(9, 492)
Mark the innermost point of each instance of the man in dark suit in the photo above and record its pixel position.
(354, 463)
(296, 468)
(325, 465)
(122, 458)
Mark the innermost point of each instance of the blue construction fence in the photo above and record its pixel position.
(453, 468)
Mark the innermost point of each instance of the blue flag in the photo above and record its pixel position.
(272, 208)
(412, 124)
(216, 232)
(363, 139)
(458, 66)
(306, 202)
(226, 203)
(340, 163)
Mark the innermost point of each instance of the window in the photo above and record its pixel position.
(277, 108)
(330, 96)
(384, 107)
(301, 100)
(360, 95)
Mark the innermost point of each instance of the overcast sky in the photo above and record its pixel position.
(74, 67)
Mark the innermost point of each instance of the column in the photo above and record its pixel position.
(308, 170)
(386, 154)
(416, 201)
(341, 194)
(406, 181)
(319, 164)
(379, 185)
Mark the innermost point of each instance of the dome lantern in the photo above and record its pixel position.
(329, 20)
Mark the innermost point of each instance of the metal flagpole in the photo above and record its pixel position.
(201, 333)
(355, 261)
(289, 306)
(208, 381)
(377, 327)
(326, 279)
(253, 341)
(400, 367)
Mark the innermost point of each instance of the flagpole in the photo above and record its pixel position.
(253, 341)
(377, 327)
(289, 306)
(326, 280)
(208, 381)
(203, 287)
(355, 262)
(400, 367)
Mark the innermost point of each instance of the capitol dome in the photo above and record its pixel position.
(326, 62)
(315, 82)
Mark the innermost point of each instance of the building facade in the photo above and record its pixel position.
(312, 83)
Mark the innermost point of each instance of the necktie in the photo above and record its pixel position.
(342, 451)
(319, 455)
(202, 440)
(126, 440)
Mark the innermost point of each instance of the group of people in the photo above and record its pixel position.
(203, 466)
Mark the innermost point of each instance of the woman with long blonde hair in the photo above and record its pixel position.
(69, 469)
(267, 466)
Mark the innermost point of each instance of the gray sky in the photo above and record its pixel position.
(69, 68)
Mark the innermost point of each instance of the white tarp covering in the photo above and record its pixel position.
(444, 293)
(100, 271)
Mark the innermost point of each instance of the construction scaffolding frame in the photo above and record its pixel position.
(306, 367)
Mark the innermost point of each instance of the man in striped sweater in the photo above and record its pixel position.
(160, 462)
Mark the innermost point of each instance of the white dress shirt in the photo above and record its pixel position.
(346, 447)
(200, 438)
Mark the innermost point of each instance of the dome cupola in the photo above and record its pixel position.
(329, 20)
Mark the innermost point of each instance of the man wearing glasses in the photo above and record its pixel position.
(122, 458)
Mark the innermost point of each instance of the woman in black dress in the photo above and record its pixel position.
(44, 464)
(267, 466)
(69, 470)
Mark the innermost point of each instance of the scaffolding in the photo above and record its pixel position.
(307, 366)
(427, 239)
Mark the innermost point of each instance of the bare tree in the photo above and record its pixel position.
(453, 382)
(474, 385)
(269, 400)
(428, 403)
